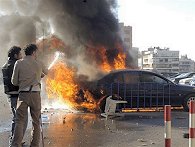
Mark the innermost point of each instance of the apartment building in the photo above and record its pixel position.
(186, 64)
(126, 35)
(160, 60)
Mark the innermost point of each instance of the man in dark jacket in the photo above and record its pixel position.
(14, 54)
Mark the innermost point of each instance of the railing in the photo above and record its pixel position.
(141, 95)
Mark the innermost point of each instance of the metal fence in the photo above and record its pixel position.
(142, 95)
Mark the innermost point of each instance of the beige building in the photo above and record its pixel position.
(126, 35)
(186, 64)
(160, 60)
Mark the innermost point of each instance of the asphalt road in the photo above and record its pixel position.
(65, 129)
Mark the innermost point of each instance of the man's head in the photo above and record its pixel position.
(30, 50)
(15, 53)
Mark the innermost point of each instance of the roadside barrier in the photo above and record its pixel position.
(192, 124)
(141, 95)
(167, 122)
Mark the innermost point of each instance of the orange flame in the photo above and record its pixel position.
(119, 61)
(61, 84)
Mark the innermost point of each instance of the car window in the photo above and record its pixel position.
(131, 78)
(152, 78)
(118, 78)
(191, 75)
(107, 79)
(182, 75)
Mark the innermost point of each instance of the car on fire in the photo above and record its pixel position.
(142, 89)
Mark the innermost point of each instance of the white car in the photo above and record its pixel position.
(186, 81)
(192, 82)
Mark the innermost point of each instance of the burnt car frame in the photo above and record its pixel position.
(142, 89)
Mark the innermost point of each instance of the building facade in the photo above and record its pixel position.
(126, 35)
(186, 64)
(159, 60)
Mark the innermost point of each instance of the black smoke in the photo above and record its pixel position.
(86, 22)
(82, 24)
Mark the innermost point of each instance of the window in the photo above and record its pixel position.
(145, 60)
(166, 60)
(175, 59)
(191, 75)
(127, 39)
(127, 31)
(118, 78)
(152, 78)
(131, 78)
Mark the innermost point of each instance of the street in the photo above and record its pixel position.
(62, 129)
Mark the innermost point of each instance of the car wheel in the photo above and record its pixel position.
(187, 100)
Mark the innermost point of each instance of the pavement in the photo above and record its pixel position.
(65, 129)
(62, 128)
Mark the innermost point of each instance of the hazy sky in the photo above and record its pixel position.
(164, 23)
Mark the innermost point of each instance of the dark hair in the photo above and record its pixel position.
(29, 49)
(13, 50)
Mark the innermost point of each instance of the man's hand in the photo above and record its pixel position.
(42, 75)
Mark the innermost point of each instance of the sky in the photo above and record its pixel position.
(163, 23)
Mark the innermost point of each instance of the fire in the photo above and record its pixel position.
(51, 43)
(105, 66)
(61, 84)
(119, 61)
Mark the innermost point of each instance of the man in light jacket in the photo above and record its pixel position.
(27, 75)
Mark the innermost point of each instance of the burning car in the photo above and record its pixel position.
(142, 89)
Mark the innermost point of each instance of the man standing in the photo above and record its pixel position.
(14, 54)
(27, 75)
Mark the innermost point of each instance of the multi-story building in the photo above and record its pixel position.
(134, 52)
(186, 64)
(160, 60)
(126, 35)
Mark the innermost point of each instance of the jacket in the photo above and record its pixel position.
(7, 71)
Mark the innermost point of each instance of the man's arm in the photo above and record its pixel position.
(44, 70)
(15, 74)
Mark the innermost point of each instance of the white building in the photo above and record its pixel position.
(186, 64)
(160, 60)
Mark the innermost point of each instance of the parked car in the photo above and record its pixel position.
(143, 89)
(186, 81)
(192, 82)
(183, 76)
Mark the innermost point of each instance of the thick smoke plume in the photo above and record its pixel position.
(83, 25)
